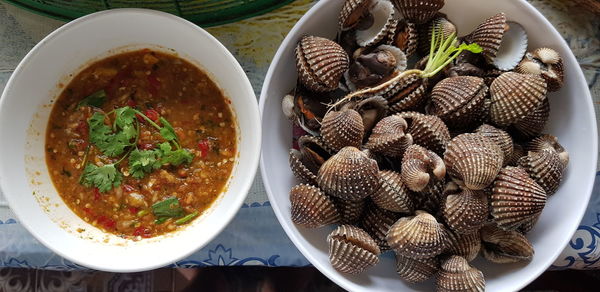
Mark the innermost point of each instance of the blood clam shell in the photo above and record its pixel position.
(352, 250)
(321, 63)
(311, 207)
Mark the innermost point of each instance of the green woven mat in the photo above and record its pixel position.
(201, 12)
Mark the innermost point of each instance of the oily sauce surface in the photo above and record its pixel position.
(158, 85)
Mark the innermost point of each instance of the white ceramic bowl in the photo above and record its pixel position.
(572, 120)
(25, 106)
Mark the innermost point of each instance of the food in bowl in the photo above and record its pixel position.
(438, 163)
(140, 143)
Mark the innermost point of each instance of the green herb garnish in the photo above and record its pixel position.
(103, 177)
(176, 157)
(187, 218)
(167, 208)
(109, 142)
(95, 99)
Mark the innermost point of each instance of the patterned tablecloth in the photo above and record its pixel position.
(255, 237)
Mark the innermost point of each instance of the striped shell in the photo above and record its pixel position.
(321, 63)
(545, 167)
(349, 175)
(384, 23)
(389, 137)
(465, 210)
(430, 198)
(418, 11)
(311, 207)
(420, 167)
(458, 101)
(544, 62)
(406, 37)
(516, 198)
(488, 35)
(377, 223)
(350, 210)
(393, 194)
(352, 250)
(534, 123)
(549, 142)
(500, 246)
(457, 275)
(464, 245)
(417, 237)
(515, 96)
(473, 160)
(500, 137)
(352, 13)
(416, 270)
(518, 152)
(300, 171)
(427, 130)
(342, 128)
(441, 24)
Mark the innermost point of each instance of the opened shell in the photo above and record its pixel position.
(500, 137)
(473, 160)
(417, 237)
(515, 96)
(548, 142)
(352, 250)
(372, 110)
(353, 11)
(427, 130)
(321, 63)
(393, 194)
(300, 170)
(458, 101)
(488, 35)
(512, 48)
(389, 137)
(342, 128)
(313, 152)
(406, 37)
(349, 175)
(534, 123)
(311, 207)
(464, 245)
(420, 166)
(377, 222)
(457, 275)
(372, 67)
(516, 198)
(465, 211)
(501, 246)
(416, 270)
(419, 11)
(544, 62)
(383, 23)
(545, 167)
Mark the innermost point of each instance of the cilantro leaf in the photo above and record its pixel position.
(124, 120)
(167, 208)
(167, 130)
(103, 177)
(95, 99)
(142, 162)
(176, 157)
(111, 144)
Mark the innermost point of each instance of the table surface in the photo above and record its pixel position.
(255, 237)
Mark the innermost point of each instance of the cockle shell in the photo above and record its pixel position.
(309, 108)
(420, 166)
(418, 11)
(473, 160)
(353, 11)
(350, 210)
(321, 63)
(457, 275)
(548, 142)
(534, 123)
(352, 250)
(300, 170)
(544, 62)
(545, 167)
(393, 194)
(371, 110)
(500, 137)
(518, 152)
(383, 23)
(389, 137)
(313, 152)
(512, 48)
(416, 270)
(427, 130)
(440, 24)
(465, 210)
(516, 198)
(372, 67)
(501, 246)
(458, 101)
(349, 175)
(406, 37)
(377, 223)
(417, 237)
(488, 35)
(515, 96)
(342, 128)
(311, 207)
(464, 245)
(430, 198)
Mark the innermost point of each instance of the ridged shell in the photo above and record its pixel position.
(416, 270)
(311, 208)
(500, 246)
(534, 123)
(349, 175)
(419, 11)
(457, 275)
(393, 195)
(352, 250)
(513, 47)
(420, 166)
(372, 110)
(473, 160)
(549, 142)
(389, 137)
(342, 128)
(406, 37)
(352, 12)
(441, 24)
(464, 245)
(545, 167)
(299, 170)
(488, 35)
(427, 130)
(458, 101)
(430, 198)
(515, 96)
(384, 22)
(500, 137)
(517, 153)
(417, 237)
(544, 62)
(516, 198)
(314, 152)
(465, 211)
(377, 223)
(350, 210)
(321, 63)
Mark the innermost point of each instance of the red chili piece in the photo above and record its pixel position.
(204, 147)
(131, 103)
(133, 210)
(106, 222)
(143, 232)
(83, 128)
(152, 114)
(96, 194)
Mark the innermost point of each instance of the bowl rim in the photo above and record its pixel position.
(294, 236)
(246, 180)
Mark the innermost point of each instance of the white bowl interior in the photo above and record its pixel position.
(572, 120)
(25, 107)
